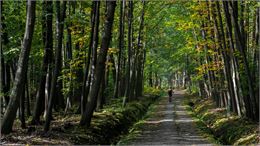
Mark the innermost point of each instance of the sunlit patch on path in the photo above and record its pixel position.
(159, 121)
(173, 126)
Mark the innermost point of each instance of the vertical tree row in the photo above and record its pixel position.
(73, 61)
(100, 67)
(229, 45)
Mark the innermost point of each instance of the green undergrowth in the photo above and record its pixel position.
(107, 125)
(219, 128)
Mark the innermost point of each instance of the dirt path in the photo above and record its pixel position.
(169, 124)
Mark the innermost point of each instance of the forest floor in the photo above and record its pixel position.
(168, 123)
(106, 127)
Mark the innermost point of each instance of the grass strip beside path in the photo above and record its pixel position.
(217, 127)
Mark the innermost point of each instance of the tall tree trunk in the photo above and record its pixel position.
(60, 31)
(68, 55)
(94, 51)
(47, 35)
(4, 67)
(9, 116)
(57, 68)
(85, 78)
(226, 58)
(100, 70)
(256, 42)
(140, 57)
(234, 59)
(120, 47)
(241, 46)
(1, 56)
(94, 48)
(130, 46)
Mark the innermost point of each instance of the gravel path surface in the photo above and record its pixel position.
(170, 124)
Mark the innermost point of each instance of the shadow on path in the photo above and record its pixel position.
(169, 124)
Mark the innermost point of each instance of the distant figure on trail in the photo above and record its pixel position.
(170, 92)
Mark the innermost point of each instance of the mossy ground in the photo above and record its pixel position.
(220, 128)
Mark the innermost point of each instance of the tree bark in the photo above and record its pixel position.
(9, 116)
(60, 31)
(1, 55)
(234, 59)
(4, 67)
(86, 73)
(130, 46)
(120, 47)
(226, 59)
(28, 105)
(100, 70)
(47, 35)
(140, 57)
(241, 46)
(68, 55)
(57, 68)
(101, 97)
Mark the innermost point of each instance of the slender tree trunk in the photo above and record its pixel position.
(100, 70)
(47, 35)
(85, 78)
(130, 46)
(94, 48)
(140, 57)
(60, 30)
(1, 56)
(226, 59)
(4, 67)
(28, 105)
(207, 60)
(234, 59)
(120, 47)
(257, 50)
(241, 46)
(68, 55)
(256, 42)
(57, 68)
(9, 116)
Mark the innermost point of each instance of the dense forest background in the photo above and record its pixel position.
(75, 56)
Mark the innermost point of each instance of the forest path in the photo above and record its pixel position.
(169, 124)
